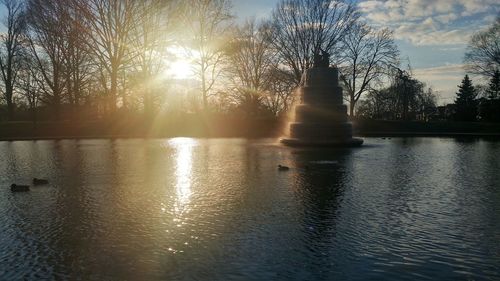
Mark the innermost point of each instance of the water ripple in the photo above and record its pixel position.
(187, 209)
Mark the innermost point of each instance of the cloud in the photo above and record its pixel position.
(430, 22)
(427, 34)
(370, 5)
(443, 71)
(446, 18)
(425, 8)
(474, 7)
(443, 79)
(451, 49)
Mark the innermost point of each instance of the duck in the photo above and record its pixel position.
(39, 181)
(283, 168)
(19, 188)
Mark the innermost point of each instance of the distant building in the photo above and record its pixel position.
(445, 112)
(489, 110)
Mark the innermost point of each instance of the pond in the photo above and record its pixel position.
(219, 209)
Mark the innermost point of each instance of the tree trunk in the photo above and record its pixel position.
(9, 91)
(148, 107)
(10, 110)
(57, 107)
(113, 91)
(34, 117)
(351, 107)
(204, 92)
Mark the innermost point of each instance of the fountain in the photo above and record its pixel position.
(321, 116)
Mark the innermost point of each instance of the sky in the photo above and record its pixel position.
(432, 35)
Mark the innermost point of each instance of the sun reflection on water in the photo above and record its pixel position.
(183, 166)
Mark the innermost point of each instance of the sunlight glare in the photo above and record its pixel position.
(181, 66)
(181, 69)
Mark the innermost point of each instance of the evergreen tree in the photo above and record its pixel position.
(466, 102)
(493, 90)
(489, 109)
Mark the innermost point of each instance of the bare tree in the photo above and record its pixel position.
(404, 99)
(110, 24)
(302, 28)
(254, 69)
(367, 55)
(78, 60)
(12, 49)
(483, 53)
(29, 85)
(152, 35)
(251, 60)
(281, 92)
(47, 44)
(208, 23)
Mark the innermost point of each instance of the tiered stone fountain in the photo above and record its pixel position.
(321, 116)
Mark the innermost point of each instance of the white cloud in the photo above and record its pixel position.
(478, 6)
(428, 35)
(446, 18)
(370, 5)
(430, 22)
(445, 24)
(393, 4)
(452, 49)
(445, 70)
(443, 79)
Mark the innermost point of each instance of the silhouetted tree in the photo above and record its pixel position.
(152, 35)
(79, 67)
(404, 99)
(407, 90)
(47, 43)
(426, 104)
(110, 24)
(250, 60)
(466, 102)
(483, 53)
(489, 104)
(367, 55)
(282, 95)
(255, 72)
(12, 49)
(493, 90)
(29, 85)
(302, 28)
(208, 25)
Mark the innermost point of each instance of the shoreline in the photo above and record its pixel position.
(429, 134)
(232, 128)
(360, 135)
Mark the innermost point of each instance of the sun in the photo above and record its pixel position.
(180, 66)
(181, 69)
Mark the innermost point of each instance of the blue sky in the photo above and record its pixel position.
(431, 34)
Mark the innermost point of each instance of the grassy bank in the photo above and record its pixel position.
(186, 126)
(435, 128)
(224, 126)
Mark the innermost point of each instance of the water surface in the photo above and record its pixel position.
(192, 209)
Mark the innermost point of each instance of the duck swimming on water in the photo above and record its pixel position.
(283, 168)
(40, 181)
(19, 188)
